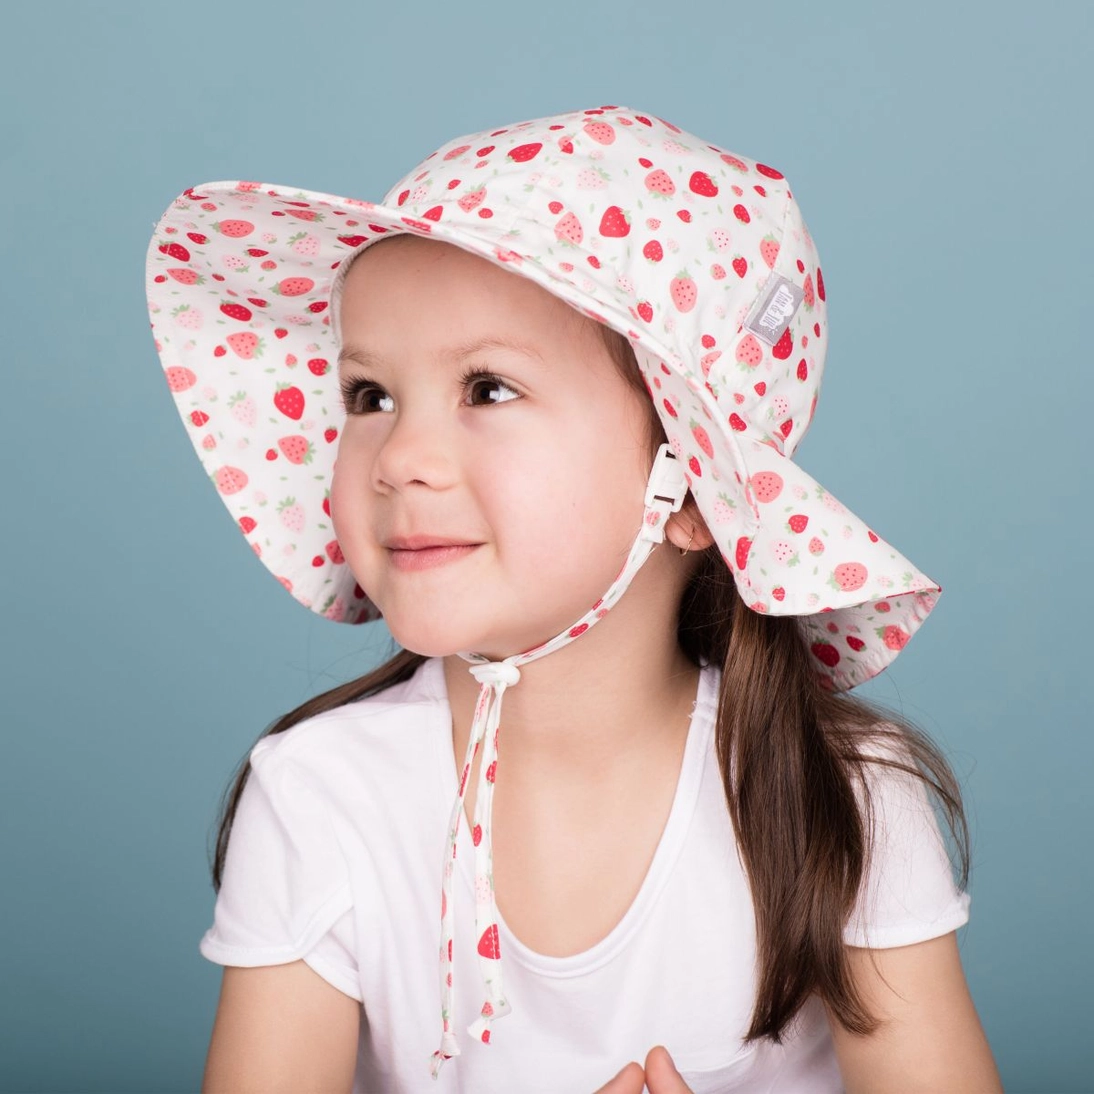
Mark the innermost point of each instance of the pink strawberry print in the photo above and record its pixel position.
(186, 276)
(245, 344)
(767, 485)
(683, 291)
(290, 401)
(614, 222)
(749, 351)
(472, 199)
(816, 546)
(234, 229)
(569, 230)
(702, 438)
(230, 480)
(660, 183)
(601, 132)
(769, 250)
(894, 637)
(292, 514)
(849, 576)
(180, 378)
(296, 448)
(294, 286)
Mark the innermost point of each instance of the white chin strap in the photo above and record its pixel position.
(664, 495)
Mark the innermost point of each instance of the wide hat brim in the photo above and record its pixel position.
(239, 279)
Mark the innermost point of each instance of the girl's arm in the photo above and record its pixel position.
(933, 1042)
(281, 1029)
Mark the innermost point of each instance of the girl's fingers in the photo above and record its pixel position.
(629, 1081)
(661, 1074)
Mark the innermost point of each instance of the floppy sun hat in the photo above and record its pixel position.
(698, 255)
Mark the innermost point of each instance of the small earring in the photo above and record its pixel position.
(688, 547)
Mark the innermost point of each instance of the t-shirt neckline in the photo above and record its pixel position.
(685, 799)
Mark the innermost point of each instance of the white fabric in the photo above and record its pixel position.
(333, 858)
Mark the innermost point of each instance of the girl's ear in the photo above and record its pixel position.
(688, 525)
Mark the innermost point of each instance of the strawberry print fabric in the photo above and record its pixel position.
(665, 237)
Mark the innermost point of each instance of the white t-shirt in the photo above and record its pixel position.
(335, 857)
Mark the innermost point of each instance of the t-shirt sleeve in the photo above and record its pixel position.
(285, 891)
(908, 893)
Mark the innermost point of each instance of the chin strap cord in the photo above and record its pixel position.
(665, 494)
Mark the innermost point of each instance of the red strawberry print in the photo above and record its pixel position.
(695, 467)
(489, 944)
(435, 213)
(330, 435)
(199, 417)
(317, 306)
(803, 370)
(290, 401)
(701, 183)
(198, 238)
(320, 366)
(653, 251)
(798, 522)
(740, 266)
(525, 152)
(565, 145)
(257, 252)
(236, 311)
(744, 545)
(826, 653)
(352, 241)
(248, 524)
(741, 213)
(491, 771)
(176, 251)
(614, 222)
(737, 422)
(820, 285)
(782, 349)
(770, 172)
(334, 553)
(669, 408)
(555, 207)
(856, 644)
(476, 834)
(645, 310)
(779, 593)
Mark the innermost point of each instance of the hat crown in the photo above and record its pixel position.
(656, 232)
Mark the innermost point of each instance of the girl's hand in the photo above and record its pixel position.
(660, 1077)
(661, 1074)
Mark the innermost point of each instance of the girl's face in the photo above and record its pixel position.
(482, 411)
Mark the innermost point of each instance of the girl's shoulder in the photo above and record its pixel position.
(393, 721)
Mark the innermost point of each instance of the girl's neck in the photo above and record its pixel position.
(587, 710)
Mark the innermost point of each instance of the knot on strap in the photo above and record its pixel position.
(496, 672)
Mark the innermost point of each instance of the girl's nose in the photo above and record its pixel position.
(417, 449)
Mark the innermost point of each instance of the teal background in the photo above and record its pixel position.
(942, 156)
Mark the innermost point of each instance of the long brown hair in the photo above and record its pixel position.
(794, 750)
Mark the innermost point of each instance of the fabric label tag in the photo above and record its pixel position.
(773, 311)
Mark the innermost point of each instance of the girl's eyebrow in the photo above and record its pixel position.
(457, 352)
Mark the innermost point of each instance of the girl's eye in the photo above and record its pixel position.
(361, 396)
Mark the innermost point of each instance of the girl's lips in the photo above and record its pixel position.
(428, 557)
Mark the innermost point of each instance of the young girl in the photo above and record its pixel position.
(672, 853)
